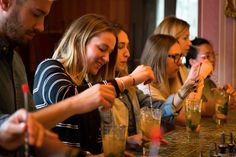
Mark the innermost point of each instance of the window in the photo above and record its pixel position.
(185, 9)
(188, 11)
(160, 11)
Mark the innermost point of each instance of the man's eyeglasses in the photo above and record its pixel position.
(176, 57)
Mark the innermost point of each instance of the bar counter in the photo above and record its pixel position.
(179, 145)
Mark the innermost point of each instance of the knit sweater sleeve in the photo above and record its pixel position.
(52, 84)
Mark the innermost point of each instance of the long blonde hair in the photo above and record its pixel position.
(71, 50)
(155, 55)
(172, 26)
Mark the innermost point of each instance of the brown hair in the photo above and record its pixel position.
(155, 55)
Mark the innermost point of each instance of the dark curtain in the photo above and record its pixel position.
(170, 7)
(143, 23)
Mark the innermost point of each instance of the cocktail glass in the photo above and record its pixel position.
(114, 140)
(193, 116)
(150, 120)
(221, 105)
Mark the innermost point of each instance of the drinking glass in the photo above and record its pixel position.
(192, 115)
(114, 140)
(221, 105)
(150, 120)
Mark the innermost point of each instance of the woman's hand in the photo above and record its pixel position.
(230, 90)
(134, 141)
(206, 68)
(37, 133)
(194, 72)
(194, 81)
(143, 74)
(95, 96)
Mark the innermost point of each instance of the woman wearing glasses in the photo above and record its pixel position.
(163, 54)
(203, 50)
(179, 29)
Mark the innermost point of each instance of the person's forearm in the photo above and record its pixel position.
(177, 102)
(125, 82)
(52, 148)
(55, 113)
(89, 100)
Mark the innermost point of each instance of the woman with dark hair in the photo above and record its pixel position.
(202, 49)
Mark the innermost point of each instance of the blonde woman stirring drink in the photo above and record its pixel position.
(84, 56)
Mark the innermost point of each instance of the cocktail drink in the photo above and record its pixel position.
(148, 123)
(193, 115)
(114, 140)
(221, 105)
(193, 118)
(150, 120)
(221, 110)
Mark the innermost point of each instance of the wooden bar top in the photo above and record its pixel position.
(181, 146)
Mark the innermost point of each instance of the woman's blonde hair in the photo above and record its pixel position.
(71, 50)
(172, 26)
(155, 54)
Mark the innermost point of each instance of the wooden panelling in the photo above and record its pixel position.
(65, 11)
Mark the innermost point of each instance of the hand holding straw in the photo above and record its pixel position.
(25, 91)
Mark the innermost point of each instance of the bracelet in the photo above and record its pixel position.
(180, 96)
(122, 83)
(133, 79)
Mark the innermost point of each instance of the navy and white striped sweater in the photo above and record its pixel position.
(52, 84)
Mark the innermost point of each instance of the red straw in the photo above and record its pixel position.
(25, 88)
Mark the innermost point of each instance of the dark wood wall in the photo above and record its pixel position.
(65, 11)
(137, 16)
